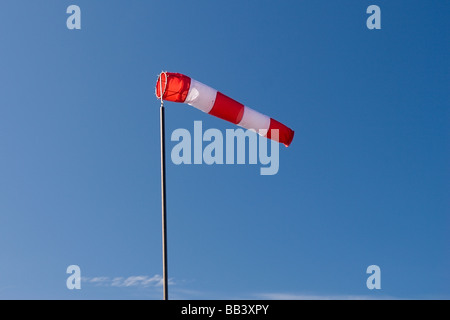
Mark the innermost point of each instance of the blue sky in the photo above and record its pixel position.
(365, 181)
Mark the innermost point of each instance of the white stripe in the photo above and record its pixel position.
(201, 96)
(254, 120)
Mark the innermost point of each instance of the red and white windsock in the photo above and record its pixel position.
(177, 87)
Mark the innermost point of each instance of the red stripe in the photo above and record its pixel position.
(285, 135)
(227, 109)
(176, 86)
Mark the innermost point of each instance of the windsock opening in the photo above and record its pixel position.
(175, 86)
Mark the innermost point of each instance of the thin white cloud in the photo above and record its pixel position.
(290, 296)
(97, 279)
(131, 281)
(142, 281)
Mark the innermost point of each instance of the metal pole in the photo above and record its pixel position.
(163, 202)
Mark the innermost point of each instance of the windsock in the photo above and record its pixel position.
(177, 87)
